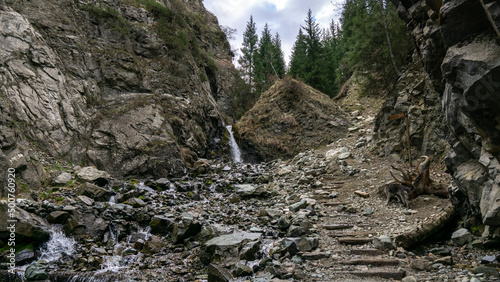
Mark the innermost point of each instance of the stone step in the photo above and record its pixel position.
(371, 261)
(366, 252)
(382, 273)
(354, 241)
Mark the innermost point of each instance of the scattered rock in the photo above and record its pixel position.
(58, 217)
(37, 271)
(409, 279)
(299, 205)
(63, 178)
(488, 259)
(241, 269)
(420, 264)
(383, 242)
(161, 225)
(461, 237)
(94, 192)
(227, 247)
(25, 256)
(85, 200)
(344, 156)
(486, 270)
(91, 173)
(217, 273)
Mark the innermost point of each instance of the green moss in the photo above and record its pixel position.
(477, 230)
(108, 16)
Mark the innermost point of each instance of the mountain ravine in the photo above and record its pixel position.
(113, 117)
(131, 87)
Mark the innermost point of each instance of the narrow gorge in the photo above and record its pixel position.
(122, 158)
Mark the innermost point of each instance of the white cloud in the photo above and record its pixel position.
(282, 16)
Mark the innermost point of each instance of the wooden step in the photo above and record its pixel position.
(337, 226)
(315, 255)
(371, 261)
(344, 225)
(327, 203)
(354, 241)
(386, 274)
(349, 234)
(367, 252)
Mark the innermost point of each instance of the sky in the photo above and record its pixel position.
(282, 16)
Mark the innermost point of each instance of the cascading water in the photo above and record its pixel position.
(235, 149)
(58, 245)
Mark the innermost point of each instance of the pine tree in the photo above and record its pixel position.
(264, 67)
(249, 50)
(298, 58)
(310, 57)
(278, 57)
(331, 58)
(376, 42)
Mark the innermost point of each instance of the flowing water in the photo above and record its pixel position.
(235, 149)
(58, 245)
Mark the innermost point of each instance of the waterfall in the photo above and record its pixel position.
(235, 150)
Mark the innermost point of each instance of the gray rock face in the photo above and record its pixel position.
(114, 97)
(415, 95)
(458, 44)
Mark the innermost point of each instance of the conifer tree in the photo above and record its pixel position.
(264, 67)
(278, 57)
(249, 51)
(310, 57)
(298, 58)
(376, 42)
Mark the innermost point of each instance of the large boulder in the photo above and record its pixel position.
(94, 192)
(289, 118)
(28, 228)
(226, 248)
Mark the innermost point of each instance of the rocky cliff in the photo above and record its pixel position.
(458, 45)
(131, 86)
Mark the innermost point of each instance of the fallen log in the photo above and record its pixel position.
(426, 229)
